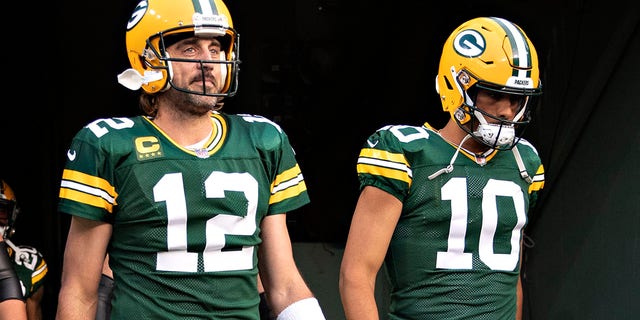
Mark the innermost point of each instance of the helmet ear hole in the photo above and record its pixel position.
(143, 61)
(448, 83)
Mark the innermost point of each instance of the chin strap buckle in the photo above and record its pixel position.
(523, 171)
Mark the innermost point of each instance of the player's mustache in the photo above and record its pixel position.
(201, 78)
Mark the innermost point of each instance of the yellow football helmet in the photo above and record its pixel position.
(9, 206)
(155, 24)
(493, 54)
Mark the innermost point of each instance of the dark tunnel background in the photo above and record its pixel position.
(330, 73)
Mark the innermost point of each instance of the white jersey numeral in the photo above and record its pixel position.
(455, 190)
(99, 129)
(177, 258)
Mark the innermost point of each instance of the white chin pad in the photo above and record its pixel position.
(494, 134)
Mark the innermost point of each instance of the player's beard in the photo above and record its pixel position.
(191, 104)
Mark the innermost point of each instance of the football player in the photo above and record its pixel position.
(444, 209)
(188, 201)
(27, 261)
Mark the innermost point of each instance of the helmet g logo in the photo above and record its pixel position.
(469, 43)
(137, 14)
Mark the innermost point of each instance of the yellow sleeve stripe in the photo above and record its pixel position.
(88, 189)
(287, 175)
(384, 163)
(288, 193)
(385, 172)
(538, 180)
(89, 180)
(383, 155)
(39, 273)
(82, 197)
(287, 184)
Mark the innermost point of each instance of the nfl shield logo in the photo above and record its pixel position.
(202, 153)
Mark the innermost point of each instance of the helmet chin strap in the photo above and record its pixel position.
(13, 246)
(516, 154)
(523, 170)
(133, 80)
(449, 168)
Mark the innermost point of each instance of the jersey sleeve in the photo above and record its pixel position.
(534, 167)
(288, 187)
(87, 185)
(383, 164)
(31, 268)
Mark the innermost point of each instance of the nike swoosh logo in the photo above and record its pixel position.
(372, 144)
(71, 155)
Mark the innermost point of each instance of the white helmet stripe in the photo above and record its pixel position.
(206, 7)
(519, 46)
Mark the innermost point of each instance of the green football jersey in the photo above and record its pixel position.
(185, 223)
(30, 266)
(455, 252)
